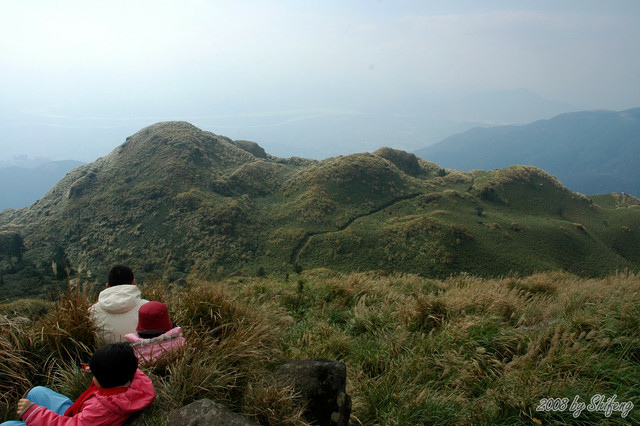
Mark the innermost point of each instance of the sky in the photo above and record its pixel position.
(307, 77)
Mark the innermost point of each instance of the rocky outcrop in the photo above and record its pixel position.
(206, 412)
(321, 384)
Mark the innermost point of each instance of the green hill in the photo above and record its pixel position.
(174, 200)
(591, 152)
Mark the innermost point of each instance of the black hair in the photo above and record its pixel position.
(120, 274)
(114, 365)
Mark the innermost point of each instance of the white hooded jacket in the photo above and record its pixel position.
(116, 312)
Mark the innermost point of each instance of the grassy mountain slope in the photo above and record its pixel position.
(174, 200)
(517, 219)
(591, 152)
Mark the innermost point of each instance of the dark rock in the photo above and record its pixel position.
(321, 384)
(135, 420)
(205, 413)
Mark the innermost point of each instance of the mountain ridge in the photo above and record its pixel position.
(175, 201)
(589, 151)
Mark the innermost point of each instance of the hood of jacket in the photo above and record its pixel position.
(139, 395)
(171, 334)
(119, 299)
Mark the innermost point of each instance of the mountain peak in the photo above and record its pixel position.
(177, 147)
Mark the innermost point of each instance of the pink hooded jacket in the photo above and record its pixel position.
(98, 410)
(150, 350)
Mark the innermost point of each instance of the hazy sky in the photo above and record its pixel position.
(77, 76)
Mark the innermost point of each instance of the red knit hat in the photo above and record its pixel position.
(154, 317)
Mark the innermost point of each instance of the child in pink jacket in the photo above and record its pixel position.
(156, 335)
(118, 390)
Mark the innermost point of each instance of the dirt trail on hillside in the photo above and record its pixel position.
(307, 236)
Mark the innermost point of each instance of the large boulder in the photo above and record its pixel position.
(206, 412)
(321, 385)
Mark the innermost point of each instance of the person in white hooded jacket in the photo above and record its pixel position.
(116, 312)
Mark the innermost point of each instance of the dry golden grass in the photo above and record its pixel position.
(67, 330)
(273, 404)
(232, 345)
(469, 349)
(15, 366)
(463, 350)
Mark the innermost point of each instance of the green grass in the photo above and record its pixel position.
(461, 350)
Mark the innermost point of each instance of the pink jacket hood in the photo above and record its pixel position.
(150, 350)
(138, 396)
(99, 410)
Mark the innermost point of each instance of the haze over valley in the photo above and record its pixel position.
(313, 80)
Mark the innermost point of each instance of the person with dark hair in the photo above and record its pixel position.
(120, 274)
(115, 314)
(156, 336)
(118, 390)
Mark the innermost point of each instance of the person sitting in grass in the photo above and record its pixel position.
(116, 312)
(118, 390)
(156, 335)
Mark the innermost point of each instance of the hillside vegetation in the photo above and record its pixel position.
(176, 199)
(463, 350)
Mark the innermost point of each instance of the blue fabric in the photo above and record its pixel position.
(44, 397)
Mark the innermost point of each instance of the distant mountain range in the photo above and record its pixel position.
(591, 152)
(500, 107)
(177, 202)
(21, 186)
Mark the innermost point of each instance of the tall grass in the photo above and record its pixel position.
(462, 350)
(16, 368)
(467, 350)
(231, 351)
